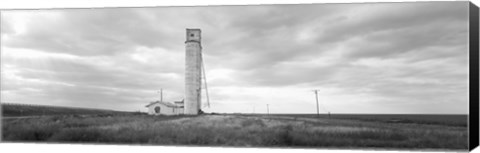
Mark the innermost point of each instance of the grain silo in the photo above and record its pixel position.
(193, 61)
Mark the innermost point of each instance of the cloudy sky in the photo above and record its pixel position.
(364, 58)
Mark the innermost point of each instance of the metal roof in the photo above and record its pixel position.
(164, 103)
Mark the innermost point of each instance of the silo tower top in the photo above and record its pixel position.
(194, 35)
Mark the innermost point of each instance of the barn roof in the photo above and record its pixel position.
(179, 102)
(164, 103)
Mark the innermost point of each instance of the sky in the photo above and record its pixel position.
(363, 58)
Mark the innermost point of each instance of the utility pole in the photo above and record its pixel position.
(268, 111)
(161, 94)
(316, 96)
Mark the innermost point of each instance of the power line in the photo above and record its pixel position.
(323, 106)
(316, 96)
(205, 80)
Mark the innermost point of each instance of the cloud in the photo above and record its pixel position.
(374, 56)
(87, 32)
(6, 28)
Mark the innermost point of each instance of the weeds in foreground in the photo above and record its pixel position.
(232, 131)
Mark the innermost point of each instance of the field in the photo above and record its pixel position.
(444, 132)
(12, 110)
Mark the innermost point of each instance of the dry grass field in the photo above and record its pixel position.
(237, 130)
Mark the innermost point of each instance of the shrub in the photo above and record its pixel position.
(29, 131)
(250, 122)
(83, 135)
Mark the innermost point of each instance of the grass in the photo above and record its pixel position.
(235, 130)
(452, 120)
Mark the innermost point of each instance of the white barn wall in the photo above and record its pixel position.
(164, 110)
(179, 111)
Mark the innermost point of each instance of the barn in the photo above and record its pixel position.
(165, 108)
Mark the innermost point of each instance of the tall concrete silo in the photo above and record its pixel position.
(193, 57)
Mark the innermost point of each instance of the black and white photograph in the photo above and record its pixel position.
(358, 76)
